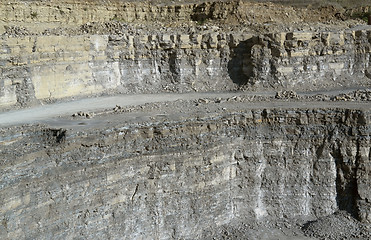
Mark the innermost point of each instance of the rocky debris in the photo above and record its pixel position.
(286, 94)
(362, 95)
(234, 98)
(202, 101)
(281, 229)
(319, 97)
(340, 225)
(83, 114)
(16, 31)
(192, 17)
(59, 31)
(113, 27)
(357, 95)
(117, 108)
(343, 97)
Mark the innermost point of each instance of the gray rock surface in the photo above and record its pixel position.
(278, 149)
(167, 175)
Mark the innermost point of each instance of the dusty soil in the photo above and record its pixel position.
(340, 225)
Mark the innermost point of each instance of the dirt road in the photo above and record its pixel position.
(54, 111)
(39, 113)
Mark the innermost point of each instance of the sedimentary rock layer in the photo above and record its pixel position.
(43, 68)
(175, 178)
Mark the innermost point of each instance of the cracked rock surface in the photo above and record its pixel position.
(185, 120)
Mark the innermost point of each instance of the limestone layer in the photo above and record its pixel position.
(175, 178)
(41, 68)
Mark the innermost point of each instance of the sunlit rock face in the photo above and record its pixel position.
(175, 179)
(43, 68)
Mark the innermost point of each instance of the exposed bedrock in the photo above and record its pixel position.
(188, 168)
(174, 179)
(69, 49)
(42, 68)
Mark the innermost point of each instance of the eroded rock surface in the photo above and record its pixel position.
(178, 175)
(77, 49)
(283, 153)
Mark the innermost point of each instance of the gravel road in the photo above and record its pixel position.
(52, 111)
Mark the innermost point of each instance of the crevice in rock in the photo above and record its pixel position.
(240, 65)
(174, 66)
(201, 14)
(346, 182)
(54, 136)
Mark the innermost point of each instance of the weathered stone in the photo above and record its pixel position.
(193, 173)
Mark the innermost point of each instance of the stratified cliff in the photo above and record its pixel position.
(175, 177)
(283, 153)
(52, 51)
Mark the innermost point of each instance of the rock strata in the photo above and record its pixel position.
(77, 49)
(44, 68)
(201, 120)
(155, 179)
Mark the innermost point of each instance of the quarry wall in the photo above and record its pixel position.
(301, 59)
(35, 68)
(176, 177)
(78, 12)
(173, 179)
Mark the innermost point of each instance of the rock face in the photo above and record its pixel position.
(70, 49)
(175, 178)
(300, 60)
(183, 170)
(49, 67)
(75, 12)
